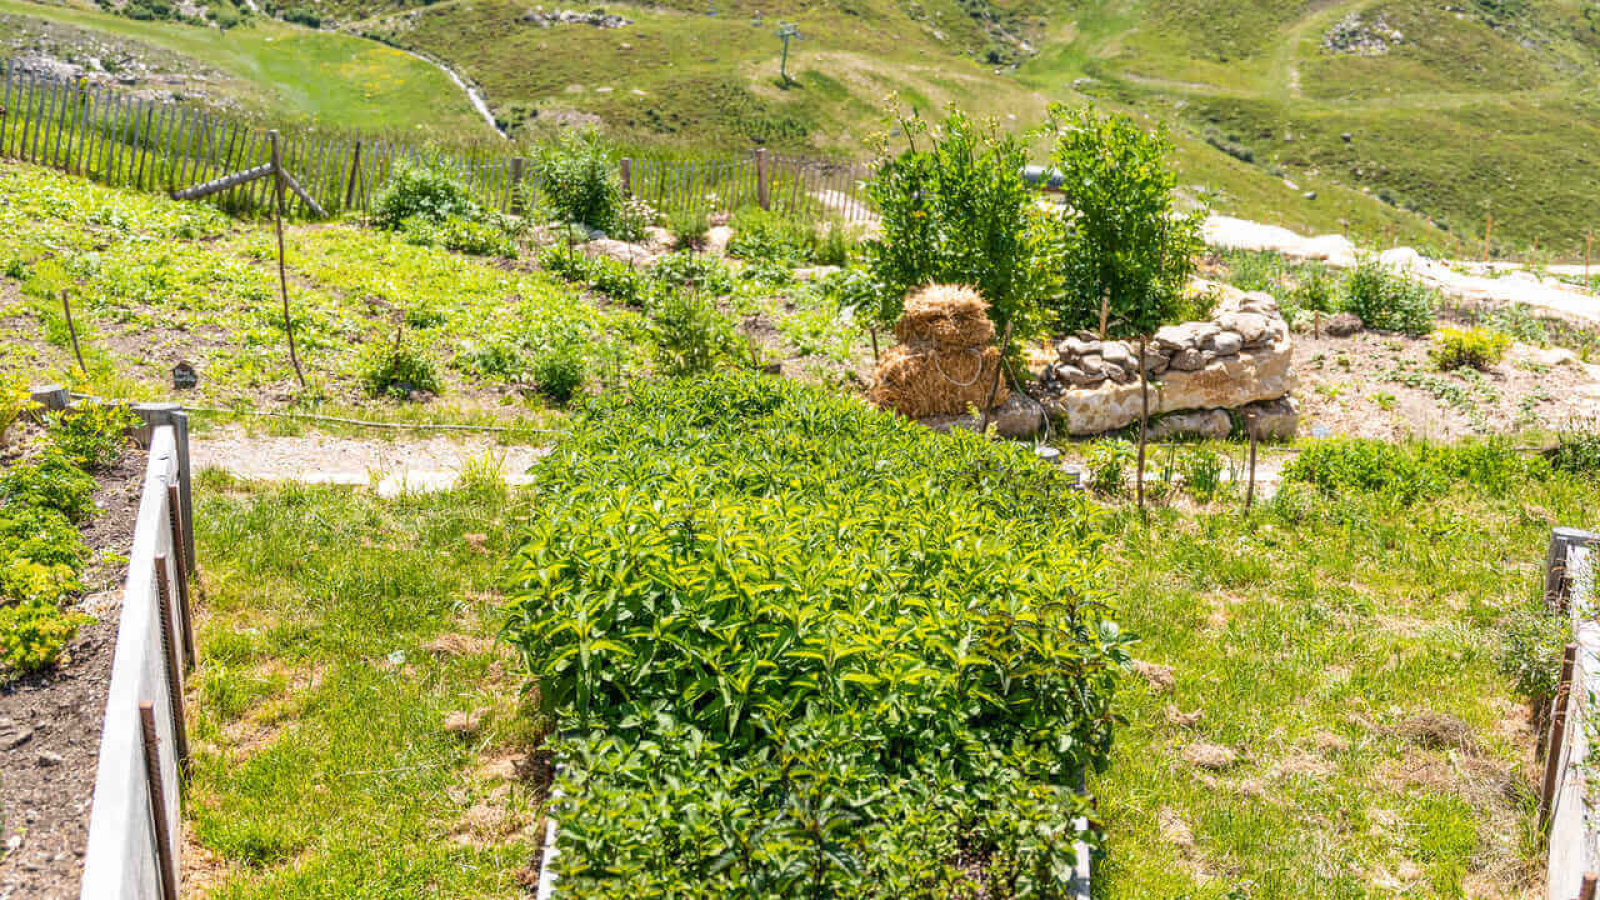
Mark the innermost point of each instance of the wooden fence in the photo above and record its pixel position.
(118, 139)
(1564, 799)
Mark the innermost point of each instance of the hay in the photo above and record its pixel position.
(945, 316)
(921, 383)
(945, 363)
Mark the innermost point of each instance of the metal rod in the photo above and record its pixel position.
(180, 551)
(169, 653)
(168, 871)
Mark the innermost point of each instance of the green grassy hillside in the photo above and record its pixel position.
(1402, 120)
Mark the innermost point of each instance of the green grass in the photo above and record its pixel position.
(285, 73)
(1311, 638)
(334, 645)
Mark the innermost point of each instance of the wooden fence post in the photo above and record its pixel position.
(283, 278)
(762, 198)
(355, 170)
(626, 165)
(1488, 229)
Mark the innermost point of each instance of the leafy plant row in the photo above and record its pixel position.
(798, 648)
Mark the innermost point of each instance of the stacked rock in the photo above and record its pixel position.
(1243, 324)
(946, 360)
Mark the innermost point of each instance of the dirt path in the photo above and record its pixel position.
(391, 466)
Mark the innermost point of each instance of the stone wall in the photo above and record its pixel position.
(1238, 360)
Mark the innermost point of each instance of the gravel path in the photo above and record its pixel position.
(425, 464)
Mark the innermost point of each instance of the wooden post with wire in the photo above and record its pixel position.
(355, 172)
(72, 331)
(1250, 491)
(994, 386)
(283, 277)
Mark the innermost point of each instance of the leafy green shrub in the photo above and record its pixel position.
(396, 370)
(1411, 470)
(33, 634)
(768, 273)
(691, 336)
(496, 359)
(460, 234)
(15, 399)
(40, 534)
(1577, 451)
(1387, 301)
(954, 210)
(835, 246)
(1108, 462)
(688, 228)
(764, 234)
(577, 179)
(49, 481)
(1479, 348)
(23, 580)
(93, 436)
(558, 370)
(797, 647)
(424, 193)
(1201, 469)
(1125, 254)
(688, 270)
(614, 278)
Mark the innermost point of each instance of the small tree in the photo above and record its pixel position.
(1125, 253)
(954, 208)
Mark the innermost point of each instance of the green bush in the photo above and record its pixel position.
(40, 534)
(1410, 471)
(688, 228)
(93, 437)
(1478, 348)
(33, 635)
(496, 359)
(424, 193)
(1108, 461)
(558, 370)
(797, 647)
(1201, 469)
(763, 234)
(688, 270)
(396, 370)
(23, 580)
(460, 234)
(577, 179)
(1577, 451)
(954, 210)
(50, 481)
(1532, 641)
(616, 279)
(15, 399)
(1387, 301)
(691, 336)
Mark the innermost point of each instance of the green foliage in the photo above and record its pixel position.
(954, 210)
(1532, 640)
(558, 370)
(397, 370)
(93, 436)
(50, 481)
(33, 634)
(496, 359)
(1388, 301)
(760, 234)
(692, 337)
(428, 193)
(577, 181)
(1406, 472)
(693, 271)
(688, 228)
(1124, 254)
(621, 282)
(849, 656)
(40, 533)
(15, 399)
(460, 234)
(1479, 348)
(1108, 462)
(1201, 469)
(1577, 451)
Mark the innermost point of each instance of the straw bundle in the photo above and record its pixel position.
(945, 363)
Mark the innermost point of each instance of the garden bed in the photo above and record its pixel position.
(50, 720)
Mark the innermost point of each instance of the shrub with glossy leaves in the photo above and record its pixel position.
(33, 634)
(796, 647)
(428, 193)
(1388, 301)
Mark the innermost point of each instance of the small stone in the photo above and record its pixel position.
(1080, 377)
(1117, 353)
(1347, 137)
(1189, 335)
(1205, 423)
(47, 758)
(1226, 343)
(1271, 420)
(1251, 327)
(1310, 195)
(1072, 348)
(1343, 325)
(1189, 360)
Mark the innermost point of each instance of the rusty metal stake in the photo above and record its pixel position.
(169, 650)
(1558, 733)
(158, 803)
(175, 517)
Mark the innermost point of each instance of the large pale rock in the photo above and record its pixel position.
(1271, 420)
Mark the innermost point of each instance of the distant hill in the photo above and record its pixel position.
(1399, 120)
